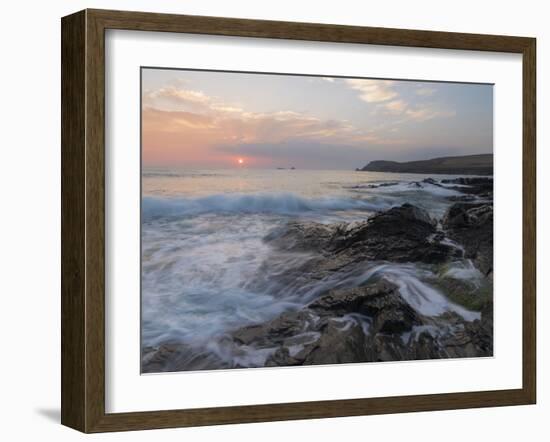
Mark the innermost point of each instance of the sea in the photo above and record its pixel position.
(206, 269)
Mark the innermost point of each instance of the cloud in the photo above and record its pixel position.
(373, 91)
(386, 100)
(186, 126)
(175, 121)
(421, 112)
(198, 111)
(172, 97)
(425, 92)
(225, 108)
(396, 106)
(183, 109)
(426, 113)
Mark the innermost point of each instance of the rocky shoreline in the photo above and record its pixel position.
(372, 321)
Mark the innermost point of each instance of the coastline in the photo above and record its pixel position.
(378, 318)
(473, 165)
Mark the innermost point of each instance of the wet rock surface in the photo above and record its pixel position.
(481, 186)
(178, 356)
(381, 302)
(400, 234)
(367, 324)
(471, 225)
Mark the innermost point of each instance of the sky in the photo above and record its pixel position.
(220, 120)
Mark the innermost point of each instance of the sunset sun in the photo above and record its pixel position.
(240, 161)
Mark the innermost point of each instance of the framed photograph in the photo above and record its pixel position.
(268, 220)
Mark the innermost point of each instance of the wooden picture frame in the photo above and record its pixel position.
(83, 220)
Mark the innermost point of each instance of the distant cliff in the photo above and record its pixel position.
(464, 165)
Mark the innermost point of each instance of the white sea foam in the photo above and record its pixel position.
(420, 295)
(274, 203)
(464, 270)
(408, 187)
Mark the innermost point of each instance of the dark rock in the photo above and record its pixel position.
(336, 346)
(400, 234)
(385, 348)
(424, 347)
(304, 236)
(282, 358)
(395, 317)
(378, 324)
(469, 215)
(338, 340)
(276, 331)
(469, 181)
(432, 182)
(471, 225)
(461, 198)
(469, 339)
(374, 186)
(380, 301)
(407, 212)
(471, 185)
(351, 299)
(340, 302)
(169, 357)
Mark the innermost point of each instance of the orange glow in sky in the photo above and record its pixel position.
(207, 120)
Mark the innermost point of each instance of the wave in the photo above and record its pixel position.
(270, 203)
(409, 187)
(409, 278)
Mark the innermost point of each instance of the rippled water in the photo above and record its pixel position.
(206, 269)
